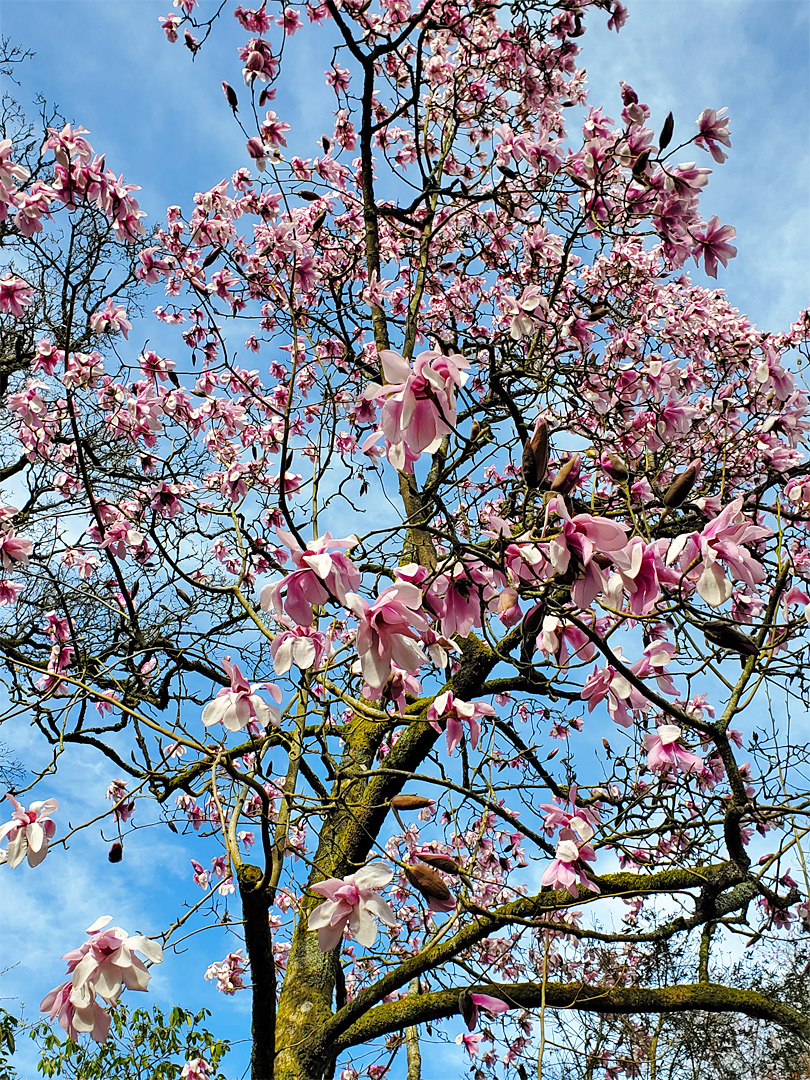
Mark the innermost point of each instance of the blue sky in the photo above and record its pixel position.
(162, 121)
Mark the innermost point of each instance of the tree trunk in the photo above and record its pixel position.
(304, 1007)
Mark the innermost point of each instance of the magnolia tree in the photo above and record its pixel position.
(451, 572)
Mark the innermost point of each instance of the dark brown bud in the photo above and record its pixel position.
(532, 622)
(230, 96)
(680, 487)
(640, 164)
(116, 852)
(618, 469)
(567, 475)
(467, 1008)
(725, 634)
(212, 256)
(308, 196)
(535, 457)
(666, 132)
(428, 883)
(319, 220)
(440, 862)
(326, 144)
(410, 802)
(263, 96)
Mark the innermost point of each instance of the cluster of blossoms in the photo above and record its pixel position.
(101, 967)
(79, 175)
(228, 973)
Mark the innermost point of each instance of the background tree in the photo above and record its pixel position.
(544, 668)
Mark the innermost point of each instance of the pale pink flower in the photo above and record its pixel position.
(580, 537)
(567, 870)
(352, 902)
(388, 631)
(228, 973)
(196, 1069)
(90, 1019)
(509, 610)
(713, 128)
(637, 566)
(9, 591)
(488, 1003)
(14, 549)
(719, 547)
(619, 691)
(101, 967)
(712, 244)
(460, 594)
(451, 713)
(665, 751)
(396, 687)
(15, 295)
(320, 574)
(420, 403)
(303, 646)
(124, 809)
(238, 705)
(470, 1041)
(111, 319)
(28, 831)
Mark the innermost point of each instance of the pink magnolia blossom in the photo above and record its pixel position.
(123, 808)
(396, 687)
(567, 870)
(637, 567)
(196, 1069)
(461, 593)
(9, 591)
(470, 1041)
(557, 636)
(28, 832)
(388, 631)
(488, 1003)
(555, 815)
(509, 610)
(419, 403)
(610, 684)
(238, 705)
(665, 751)
(101, 967)
(713, 128)
(451, 713)
(228, 973)
(712, 244)
(14, 549)
(15, 295)
(111, 319)
(581, 537)
(720, 547)
(303, 646)
(354, 902)
(320, 574)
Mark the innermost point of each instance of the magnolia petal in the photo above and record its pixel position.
(382, 909)
(713, 586)
(363, 926)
